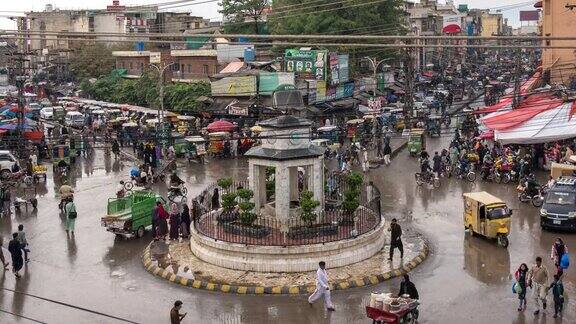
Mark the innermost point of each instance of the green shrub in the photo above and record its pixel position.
(308, 204)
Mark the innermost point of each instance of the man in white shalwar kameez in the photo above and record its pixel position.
(322, 287)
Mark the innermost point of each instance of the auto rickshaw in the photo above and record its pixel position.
(433, 125)
(330, 149)
(60, 155)
(180, 144)
(329, 132)
(184, 124)
(58, 113)
(487, 215)
(196, 149)
(416, 141)
(352, 127)
(216, 145)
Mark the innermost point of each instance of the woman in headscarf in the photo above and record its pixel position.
(185, 221)
(162, 226)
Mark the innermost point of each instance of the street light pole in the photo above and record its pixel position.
(161, 71)
(375, 65)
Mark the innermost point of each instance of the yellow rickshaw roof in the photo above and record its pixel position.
(484, 198)
(417, 131)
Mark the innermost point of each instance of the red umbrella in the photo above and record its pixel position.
(221, 126)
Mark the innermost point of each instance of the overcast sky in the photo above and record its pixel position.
(207, 10)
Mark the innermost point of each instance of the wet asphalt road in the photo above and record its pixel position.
(464, 280)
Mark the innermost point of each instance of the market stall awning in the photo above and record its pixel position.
(221, 126)
(502, 104)
(528, 109)
(552, 125)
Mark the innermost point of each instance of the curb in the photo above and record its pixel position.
(151, 267)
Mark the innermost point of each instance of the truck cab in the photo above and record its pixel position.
(559, 208)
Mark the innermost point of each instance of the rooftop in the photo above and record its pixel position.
(280, 155)
(286, 121)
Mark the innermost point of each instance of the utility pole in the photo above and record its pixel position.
(517, 74)
(408, 85)
(161, 69)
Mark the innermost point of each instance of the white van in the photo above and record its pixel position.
(74, 119)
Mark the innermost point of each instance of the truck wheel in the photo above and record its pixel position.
(140, 232)
(503, 241)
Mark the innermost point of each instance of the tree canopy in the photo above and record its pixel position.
(361, 17)
(244, 16)
(144, 92)
(93, 60)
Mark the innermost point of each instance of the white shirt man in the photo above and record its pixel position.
(322, 287)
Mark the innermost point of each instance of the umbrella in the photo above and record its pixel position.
(221, 126)
(256, 129)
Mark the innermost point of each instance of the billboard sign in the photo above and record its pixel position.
(269, 81)
(344, 72)
(307, 64)
(244, 86)
(334, 69)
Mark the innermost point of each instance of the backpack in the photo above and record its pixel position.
(564, 261)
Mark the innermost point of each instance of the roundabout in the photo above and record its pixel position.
(268, 239)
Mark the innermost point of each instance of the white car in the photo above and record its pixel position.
(7, 161)
(47, 113)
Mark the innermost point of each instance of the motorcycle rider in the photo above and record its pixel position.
(175, 183)
(66, 192)
(425, 169)
(531, 185)
(487, 164)
(437, 163)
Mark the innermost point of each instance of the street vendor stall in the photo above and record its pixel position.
(386, 308)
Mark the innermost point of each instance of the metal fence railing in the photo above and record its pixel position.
(332, 224)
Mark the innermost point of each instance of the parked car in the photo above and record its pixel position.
(7, 161)
(74, 119)
(47, 113)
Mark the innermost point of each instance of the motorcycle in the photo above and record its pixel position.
(428, 178)
(487, 172)
(467, 174)
(537, 198)
(177, 191)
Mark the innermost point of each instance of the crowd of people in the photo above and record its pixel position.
(542, 284)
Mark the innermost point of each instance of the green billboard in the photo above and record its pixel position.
(307, 64)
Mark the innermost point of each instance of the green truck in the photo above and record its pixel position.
(131, 215)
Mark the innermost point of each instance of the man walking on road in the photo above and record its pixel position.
(538, 280)
(395, 239)
(16, 251)
(175, 316)
(23, 242)
(322, 287)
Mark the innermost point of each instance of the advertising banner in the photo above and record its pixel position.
(307, 64)
(344, 72)
(269, 81)
(244, 86)
(334, 69)
(321, 91)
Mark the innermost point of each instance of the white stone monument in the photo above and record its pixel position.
(286, 146)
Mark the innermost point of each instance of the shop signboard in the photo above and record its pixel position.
(243, 86)
(320, 91)
(269, 81)
(343, 72)
(334, 69)
(331, 93)
(307, 64)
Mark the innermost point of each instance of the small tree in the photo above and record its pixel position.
(351, 202)
(308, 204)
(247, 217)
(228, 198)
